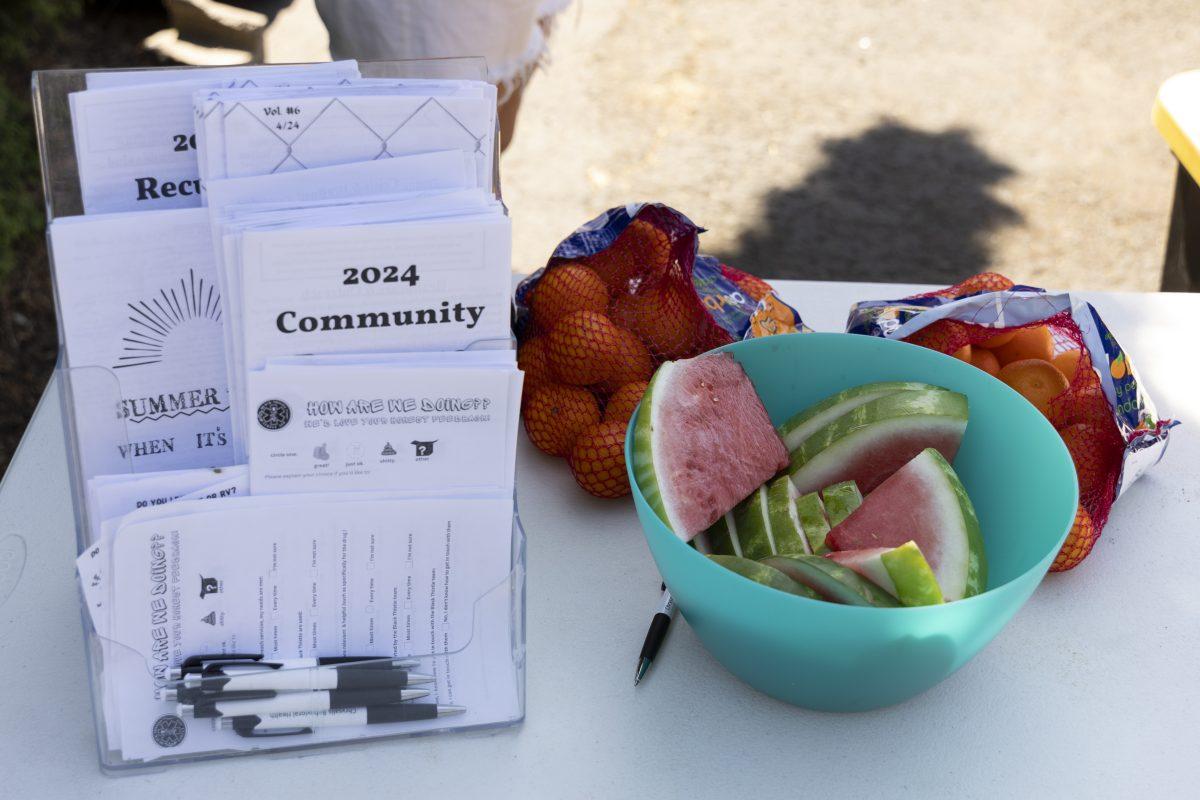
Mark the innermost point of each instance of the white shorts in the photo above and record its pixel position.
(509, 34)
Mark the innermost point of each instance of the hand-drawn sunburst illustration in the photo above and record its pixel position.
(187, 310)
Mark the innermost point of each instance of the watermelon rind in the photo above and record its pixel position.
(785, 521)
(754, 525)
(798, 428)
(867, 563)
(767, 576)
(811, 511)
(977, 560)
(900, 571)
(723, 537)
(832, 581)
(841, 499)
(643, 450)
(821, 459)
(915, 583)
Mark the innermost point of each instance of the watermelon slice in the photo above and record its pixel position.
(818, 415)
(764, 524)
(813, 520)
(722, 537)
(872, 441)
(785, 520)
(702, 442)
(901, 571)
(924, 502)
(767, 576)
(753, 525)
(841, 500)
(832, 581)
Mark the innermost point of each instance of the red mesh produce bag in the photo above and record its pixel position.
(1056, 352)
(619, 296)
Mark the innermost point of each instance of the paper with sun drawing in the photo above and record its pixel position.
(138, 300)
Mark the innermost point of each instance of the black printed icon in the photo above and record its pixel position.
(424, 449)
(321, 452)
(168, 731)
(274, 414)
(208, 586)
(156, 324)
(210, 618)
(387, 450)
(95, 552)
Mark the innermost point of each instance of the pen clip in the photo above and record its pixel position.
(211, 668)
(195, 696)
(246, 727)
(196, 661)
(198, 665)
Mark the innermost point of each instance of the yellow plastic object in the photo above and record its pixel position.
(1177, 116)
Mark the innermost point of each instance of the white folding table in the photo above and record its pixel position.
(1091, 691)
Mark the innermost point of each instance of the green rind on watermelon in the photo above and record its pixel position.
(754, 526)
(813, 521)
(870, 442)
(702, 442)
(767, 576)
(832, 581)
(723, 537)
(977, 565)
(643, 452)
(916, 585)
(841, 499)
(802, 425)
(785, 522)
(925, 502)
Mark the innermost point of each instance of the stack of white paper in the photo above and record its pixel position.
(328, 322)
(135, 140)
(421, 424)
(311, 266)
(273, 130)
(141, 318)
(295, 577)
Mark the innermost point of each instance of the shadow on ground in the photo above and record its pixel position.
(891, 204)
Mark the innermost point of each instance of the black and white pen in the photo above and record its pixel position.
(199, 666)
(303, 679)
(244, 704)
(656, 634)
(290, 724)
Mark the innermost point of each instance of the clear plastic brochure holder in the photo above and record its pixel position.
(91, 403)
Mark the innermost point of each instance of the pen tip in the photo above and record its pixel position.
(415, 677)
(445, 711)
(643, 665)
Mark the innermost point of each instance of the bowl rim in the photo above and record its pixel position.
(1041, 566)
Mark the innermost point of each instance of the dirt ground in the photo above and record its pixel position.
(904, 141)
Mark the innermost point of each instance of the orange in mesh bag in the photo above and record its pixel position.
(616, 300)
(1047, 359)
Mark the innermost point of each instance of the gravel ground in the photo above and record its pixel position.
(907, 141)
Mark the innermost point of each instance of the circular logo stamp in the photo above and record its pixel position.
(274, 414)
(168, 731)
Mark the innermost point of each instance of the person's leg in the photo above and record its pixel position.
(508, 115)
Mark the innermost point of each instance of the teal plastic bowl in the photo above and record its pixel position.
(841, 658)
